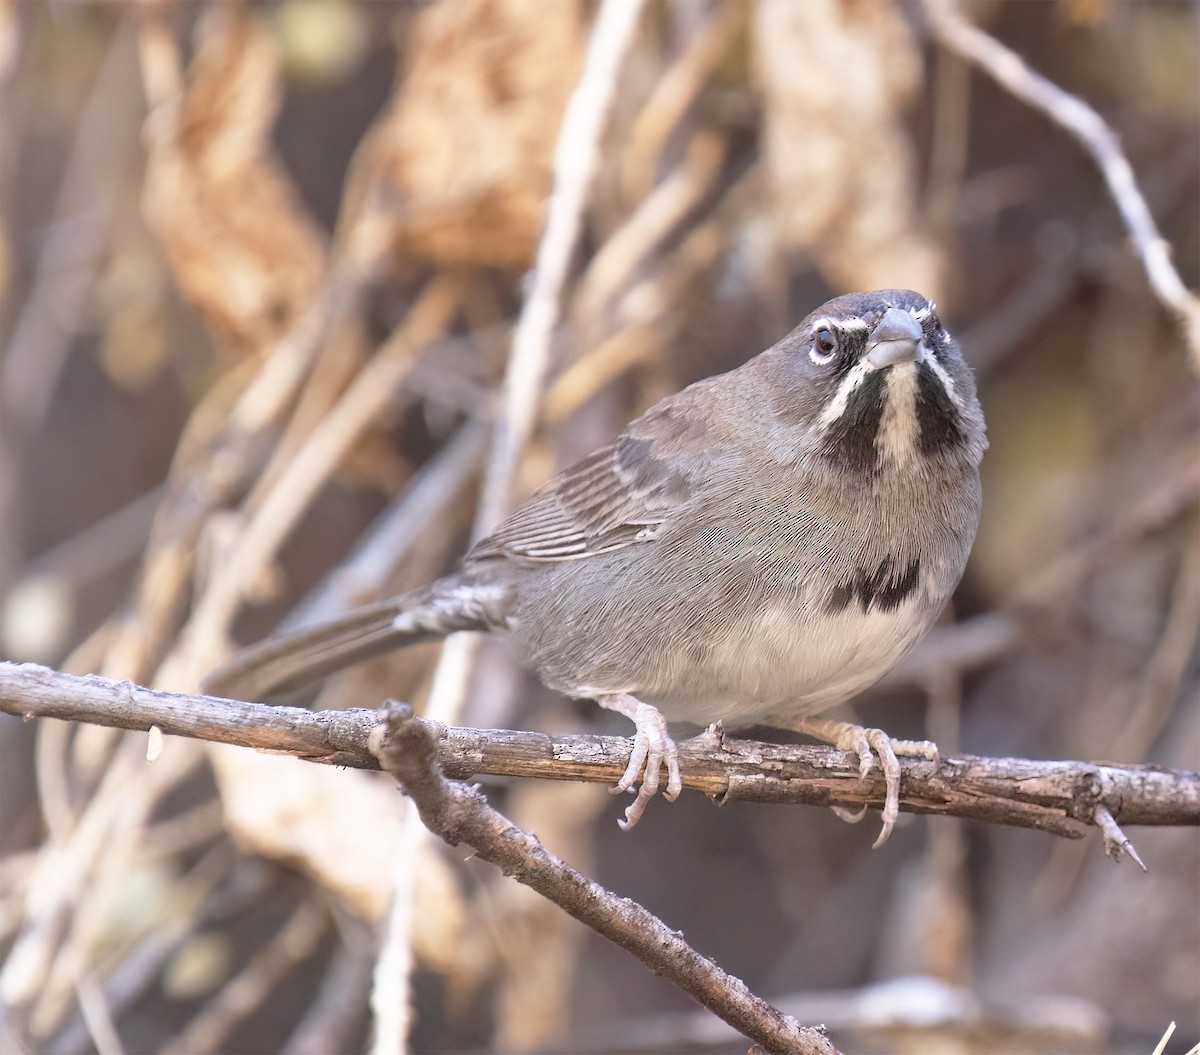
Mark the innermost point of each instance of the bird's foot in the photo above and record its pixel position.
(869, 744)
(652, 747)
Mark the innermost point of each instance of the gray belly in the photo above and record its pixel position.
(712, 620)
(737, 640)
(786, 663)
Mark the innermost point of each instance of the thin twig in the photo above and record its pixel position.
(71, 257)
(281, 509)
(1091, 131)
(201, 903)
(575, 157)
(460, 814)
(648, 310)
(340, 1001)
(678, 86)
(959, 648)
(1116, 842)
(99, 547)
(899, 1014)
(652, 223)
(395, 532)
(42, 964)
(390, 1002)
(79, 876)
(1168, 665)
(1173, 491)
(98, 1018)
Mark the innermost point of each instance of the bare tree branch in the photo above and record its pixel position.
(1057, 797)
(408, 748)
(1060, 797)
(1070, 112)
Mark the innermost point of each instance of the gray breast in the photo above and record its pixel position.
(764, 599)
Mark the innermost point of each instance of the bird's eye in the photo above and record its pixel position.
(824, 346)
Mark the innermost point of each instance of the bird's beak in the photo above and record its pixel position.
(896, 339)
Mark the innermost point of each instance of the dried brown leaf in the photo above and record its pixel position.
(836, 78)
(243, 248)
(343, 829)
(462, 162)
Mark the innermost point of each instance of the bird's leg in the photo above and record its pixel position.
(652, 746)
(866, 743)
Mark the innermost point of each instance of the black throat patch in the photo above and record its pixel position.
(937, 417)
(850, 440)
(884, 588)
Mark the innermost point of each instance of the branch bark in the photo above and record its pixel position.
(408, 748)
(1057, 797)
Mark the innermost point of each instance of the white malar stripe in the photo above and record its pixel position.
(947, 382)
(898, 430)
(837, 405)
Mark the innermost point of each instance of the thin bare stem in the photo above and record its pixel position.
(1116, 842)
(575, 157)
(1091, 131)
(282, 508)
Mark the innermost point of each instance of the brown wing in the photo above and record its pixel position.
(613, 498)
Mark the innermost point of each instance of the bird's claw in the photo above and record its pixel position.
(869, 745)
(652, 747)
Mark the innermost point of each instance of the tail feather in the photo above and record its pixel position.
(289, 661)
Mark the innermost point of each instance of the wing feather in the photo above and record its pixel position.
(605, 502)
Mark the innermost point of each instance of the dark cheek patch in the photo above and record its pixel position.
(938, 424)
(884, 588)
(850, 441)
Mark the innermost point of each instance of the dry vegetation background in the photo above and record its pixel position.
(260, 268)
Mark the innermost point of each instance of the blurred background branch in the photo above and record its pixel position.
(1096, 137)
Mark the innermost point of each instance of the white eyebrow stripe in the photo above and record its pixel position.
(837, 405)
(842, 324)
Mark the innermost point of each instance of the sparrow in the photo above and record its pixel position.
(753, 550)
